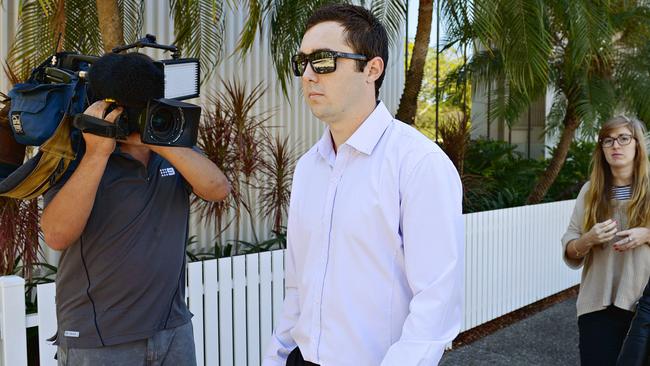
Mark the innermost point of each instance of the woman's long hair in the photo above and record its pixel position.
(597, 200)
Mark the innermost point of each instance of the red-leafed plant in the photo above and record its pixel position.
(236, 136)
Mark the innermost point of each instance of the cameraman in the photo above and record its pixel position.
(121, 220)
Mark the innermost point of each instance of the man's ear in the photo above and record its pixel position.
(374, 69)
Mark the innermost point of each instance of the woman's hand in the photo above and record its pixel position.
(633, 238)
(601, 233)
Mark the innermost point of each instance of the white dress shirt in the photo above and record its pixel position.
(374, 262)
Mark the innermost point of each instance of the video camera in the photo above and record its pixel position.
(47, 111)
(150, 92)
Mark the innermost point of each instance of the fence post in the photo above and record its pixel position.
(13, 338)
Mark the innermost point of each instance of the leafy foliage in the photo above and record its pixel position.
(82, 28)
(34, 40)
(132, 13)
(592, 53)
(275, 188)
(497, 176)
(236, 247)
(199, 26)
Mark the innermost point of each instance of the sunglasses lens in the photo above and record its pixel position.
(298, 65)
(324, 63)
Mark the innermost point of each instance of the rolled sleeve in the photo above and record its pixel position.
(574, 230)
(433, 237)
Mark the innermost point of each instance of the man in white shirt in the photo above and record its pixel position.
(374, 262)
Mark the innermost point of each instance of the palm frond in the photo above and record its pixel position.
(633, 88)
(82, 32)
(132, 13)
(526, 46)
(199, 26)
(555, 118)
(254, 24)
(391, 13)
(465, 20)
(34, 40)
(597, 102)
(510, 103)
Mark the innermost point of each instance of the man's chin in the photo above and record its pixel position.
(321, 115)
(317, 110)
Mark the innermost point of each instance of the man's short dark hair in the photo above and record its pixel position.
(364, 33)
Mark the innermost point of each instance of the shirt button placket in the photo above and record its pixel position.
(328, 214)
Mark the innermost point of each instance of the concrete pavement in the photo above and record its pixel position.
(549, 337)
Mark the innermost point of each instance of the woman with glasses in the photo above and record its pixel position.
(608, 237)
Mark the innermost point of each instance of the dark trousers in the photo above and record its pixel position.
(602, 334)
(295, 359)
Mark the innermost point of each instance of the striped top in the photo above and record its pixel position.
(622, 193)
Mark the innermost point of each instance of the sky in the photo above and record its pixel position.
(413, 22)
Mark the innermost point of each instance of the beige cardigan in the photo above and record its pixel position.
(608, 277)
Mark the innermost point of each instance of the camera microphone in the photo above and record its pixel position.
(130, 79)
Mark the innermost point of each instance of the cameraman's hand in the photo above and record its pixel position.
(99, 145)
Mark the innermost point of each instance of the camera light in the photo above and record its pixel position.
(182, 78)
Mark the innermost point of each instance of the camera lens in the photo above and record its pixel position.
(162, 121)
(165, 124)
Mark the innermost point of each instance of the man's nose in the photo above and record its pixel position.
(309, 74)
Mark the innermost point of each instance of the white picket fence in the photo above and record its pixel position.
(513, 258)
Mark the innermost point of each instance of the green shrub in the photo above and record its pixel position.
(496, 176)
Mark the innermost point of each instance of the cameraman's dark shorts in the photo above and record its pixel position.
(167, 347)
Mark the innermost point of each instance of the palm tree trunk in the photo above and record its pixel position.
(110, 24)
(571, 123)
(58, 25)
(409, 101)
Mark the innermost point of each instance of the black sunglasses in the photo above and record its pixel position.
(322, 62)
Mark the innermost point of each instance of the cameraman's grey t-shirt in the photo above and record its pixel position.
(124, 278)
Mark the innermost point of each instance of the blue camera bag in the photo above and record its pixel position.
(37, 109)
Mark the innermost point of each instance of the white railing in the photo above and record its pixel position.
(513, 258)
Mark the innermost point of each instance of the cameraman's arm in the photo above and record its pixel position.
(206, 179)
(65, 217)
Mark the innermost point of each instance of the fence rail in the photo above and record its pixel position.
(513, 258)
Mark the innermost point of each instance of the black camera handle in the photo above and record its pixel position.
(97, 126)
(149, 41)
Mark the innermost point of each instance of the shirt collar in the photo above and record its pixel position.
(325, 146)
(365, 138)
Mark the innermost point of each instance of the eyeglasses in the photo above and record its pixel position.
(322, 62)
(623, 140)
